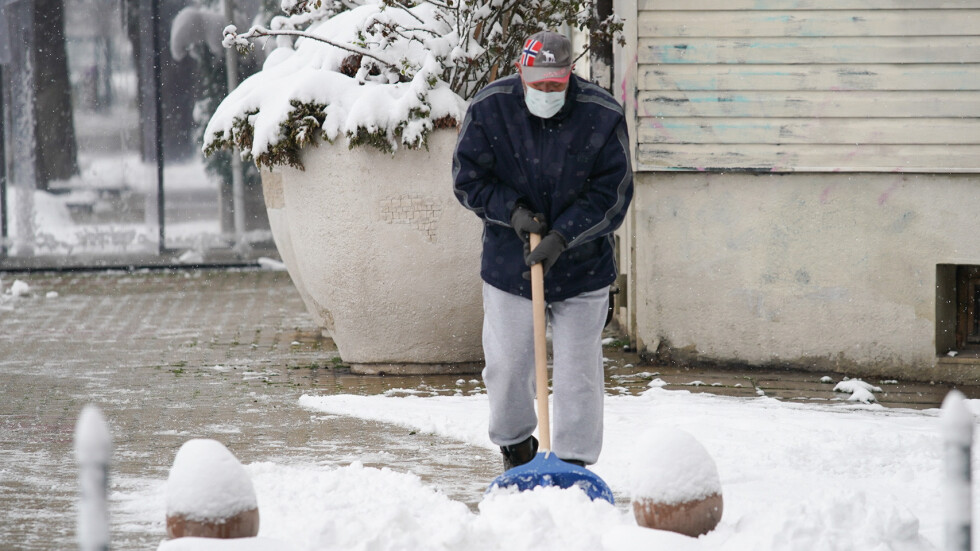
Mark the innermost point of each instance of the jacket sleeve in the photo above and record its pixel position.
(476, 185)
(600, 209)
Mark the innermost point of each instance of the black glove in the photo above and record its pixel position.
(547, 252)
(525, 222)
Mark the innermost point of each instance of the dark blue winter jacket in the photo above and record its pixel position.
(573, 167)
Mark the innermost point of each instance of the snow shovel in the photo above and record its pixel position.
(546, 469)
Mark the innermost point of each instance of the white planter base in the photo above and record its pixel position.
(464, 368)
(385, 258)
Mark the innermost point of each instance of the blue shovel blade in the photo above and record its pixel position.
(547, 470)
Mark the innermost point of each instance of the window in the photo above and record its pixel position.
(958, 310)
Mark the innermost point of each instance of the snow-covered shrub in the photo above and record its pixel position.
(383, 73)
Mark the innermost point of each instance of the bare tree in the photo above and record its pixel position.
(57, 150)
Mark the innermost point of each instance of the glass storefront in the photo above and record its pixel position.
(102, 125)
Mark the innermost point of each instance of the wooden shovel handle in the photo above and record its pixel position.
(540, 350)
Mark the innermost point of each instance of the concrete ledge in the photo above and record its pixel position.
(961, 369)
(416, 369)
(212, 258)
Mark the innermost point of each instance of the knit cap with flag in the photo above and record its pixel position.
(547, 56)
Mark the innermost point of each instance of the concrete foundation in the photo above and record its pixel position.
(843, 272)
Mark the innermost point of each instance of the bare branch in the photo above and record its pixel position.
(441, 5)
(408, 11)
(260, 31)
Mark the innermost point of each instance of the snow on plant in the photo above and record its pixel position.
(383, 73)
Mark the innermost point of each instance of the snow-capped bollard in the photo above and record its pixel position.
(675, 483)
(957, 423)
(93, 447)
(209, 494)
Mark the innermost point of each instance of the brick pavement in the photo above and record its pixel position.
(157, 318)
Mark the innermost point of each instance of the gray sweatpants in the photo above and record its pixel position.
(577, 376)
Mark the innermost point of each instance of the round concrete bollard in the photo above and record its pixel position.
(209, 494)
(691, 518)
(241, 525)
(676, 486)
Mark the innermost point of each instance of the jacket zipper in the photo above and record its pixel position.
(539, 173)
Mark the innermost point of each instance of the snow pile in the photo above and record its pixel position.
(20, 289)
(849, 521)
(53, 231)
(776, 460)
(438, 414)
(271, 264)
(208, 483)
(670, 466)
(860, 391)
(551, 518)
(213, 544)
(359, 507)
(795, 476)
(191, 257)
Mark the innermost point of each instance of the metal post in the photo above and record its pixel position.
(21, 121)
(93, 447)
(957, 424)
(237, 183)
(4, 60)
(158, 123)
(3, 171)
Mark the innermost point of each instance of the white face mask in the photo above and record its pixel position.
(544, 104)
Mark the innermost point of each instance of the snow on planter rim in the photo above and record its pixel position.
(310, 74)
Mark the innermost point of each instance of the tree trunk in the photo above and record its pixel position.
(57, 151)
(601, 51)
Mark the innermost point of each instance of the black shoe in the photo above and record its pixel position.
(518, 454)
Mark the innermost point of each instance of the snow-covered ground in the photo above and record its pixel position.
(793, 476)
(839, 475)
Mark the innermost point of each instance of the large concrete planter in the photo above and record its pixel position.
(385, 258)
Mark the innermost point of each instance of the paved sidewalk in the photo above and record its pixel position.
(173, 355)
(170, 356)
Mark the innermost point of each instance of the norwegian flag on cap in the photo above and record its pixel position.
(531, 49)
